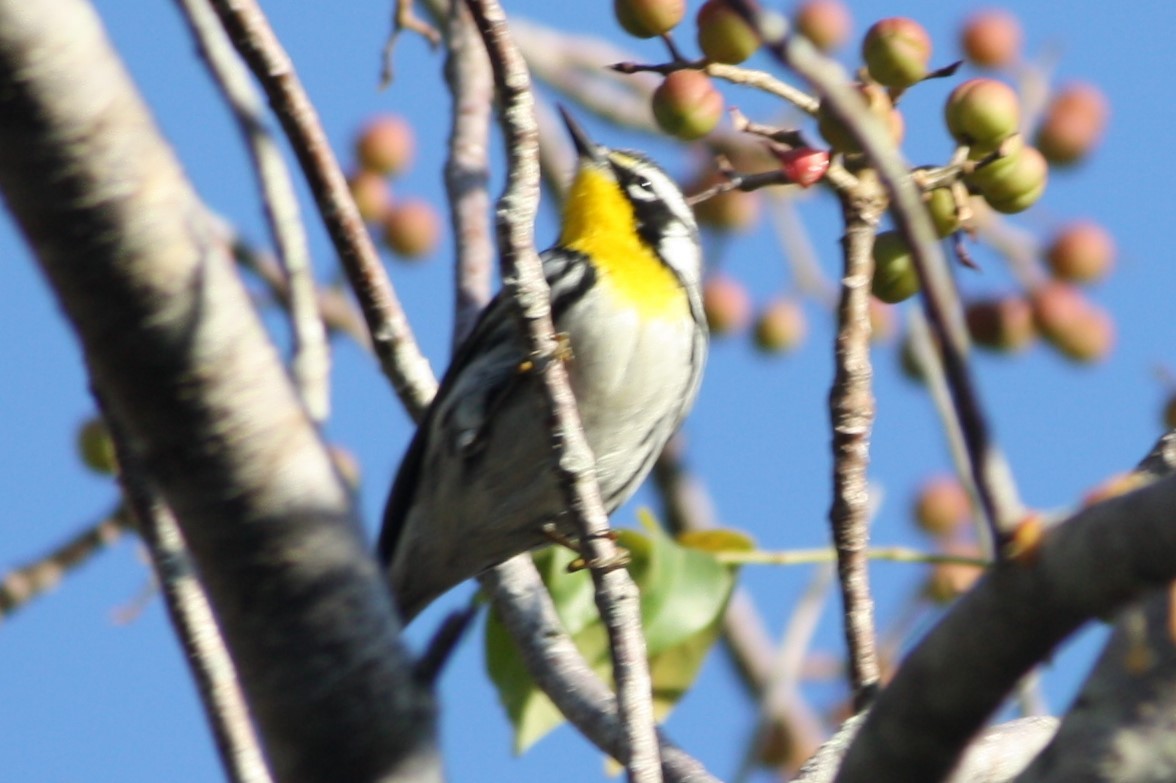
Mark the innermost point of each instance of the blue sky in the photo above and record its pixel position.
(89, 698)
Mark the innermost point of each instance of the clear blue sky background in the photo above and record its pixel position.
(86, 698)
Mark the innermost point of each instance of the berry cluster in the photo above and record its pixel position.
(410, 227)
(994, 168)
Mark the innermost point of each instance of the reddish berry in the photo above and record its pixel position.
(950, 580)
(726, 303)
(804, 166)
(412, 228)
(1081, 252)
(942, 505)
(834, 131)
(781, 326)
(385, 145)
(826, 23)
(371, 193)
(992, 38)
(1074, 123)
(1004, 324)
(882, 326)
(1072, 324)
(731, 210)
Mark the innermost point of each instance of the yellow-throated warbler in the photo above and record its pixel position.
(476, 487)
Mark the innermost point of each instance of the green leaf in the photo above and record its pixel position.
(684, 591)
(717, 540)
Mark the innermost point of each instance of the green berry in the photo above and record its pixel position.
(687, 105)
(895, 277)
(649, 18)
(724, 36)
(982, 112)
(897, 51)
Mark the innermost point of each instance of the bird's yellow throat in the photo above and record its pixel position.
(599, 222)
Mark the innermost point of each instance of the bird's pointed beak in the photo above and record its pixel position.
(585, 147)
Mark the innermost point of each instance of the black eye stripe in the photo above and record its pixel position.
(657, 204)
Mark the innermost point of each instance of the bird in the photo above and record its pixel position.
(476, 485)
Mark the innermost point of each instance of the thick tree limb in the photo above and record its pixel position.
(1122, 725)
(176, 352)
(1082, 570)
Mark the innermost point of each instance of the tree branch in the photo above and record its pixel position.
(467, 171)
(851, 409)
(616, 595)
(191, 615)
(400, 357)
(1122, 725)
(176, 352)
(24, 583)
(312, 356)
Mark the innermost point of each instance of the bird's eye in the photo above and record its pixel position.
(645, 184)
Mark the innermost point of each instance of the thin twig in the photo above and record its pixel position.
(191, 615)
(551, 658)
(467, 170)
(25, 582)
(745, 182)
(746, 77)
(616, 595)
(312, 357)
(851, 409)
(429, 665)
(933, 374)
(335, 308)
(400, 356)
(837, 176)
(404, 18)
(892, 554)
